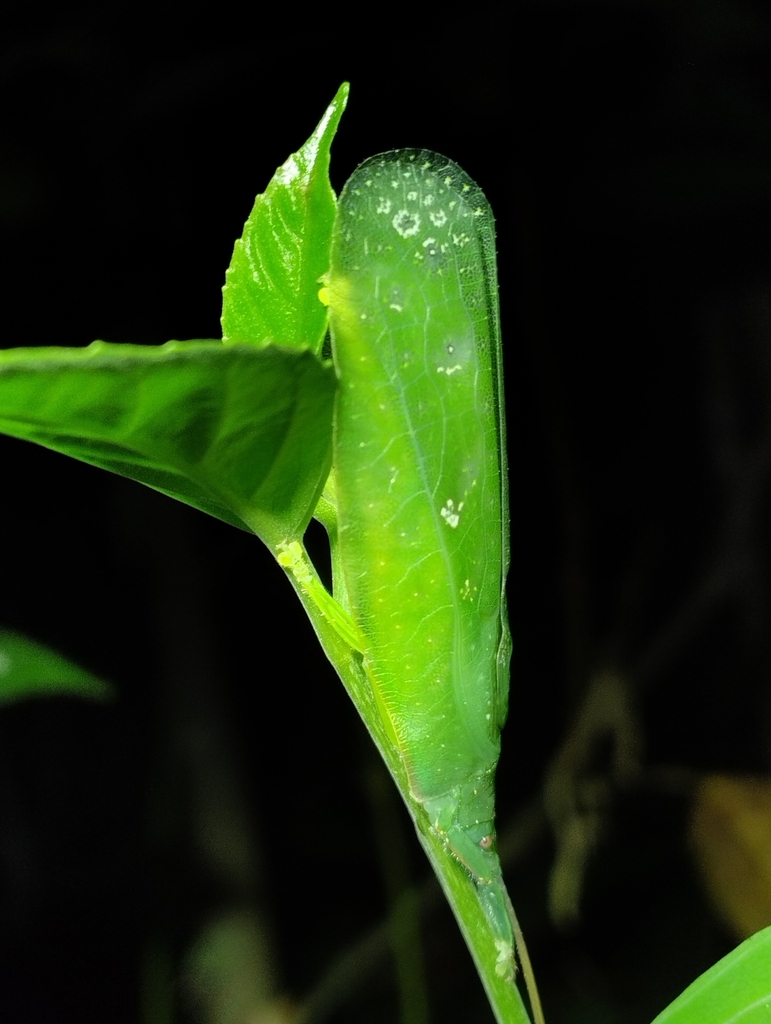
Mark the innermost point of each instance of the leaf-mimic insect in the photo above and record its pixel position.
(421, 484)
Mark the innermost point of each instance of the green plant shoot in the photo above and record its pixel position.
(415, 505)
(421, 486)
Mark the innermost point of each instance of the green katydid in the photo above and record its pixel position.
(420, 492)
(420, 477)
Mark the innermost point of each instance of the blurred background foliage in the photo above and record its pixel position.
(217, 845)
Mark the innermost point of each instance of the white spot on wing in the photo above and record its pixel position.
(406, 224)
(448, 513)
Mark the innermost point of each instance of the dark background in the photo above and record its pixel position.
(626, 151)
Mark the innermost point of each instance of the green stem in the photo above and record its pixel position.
(456, 882)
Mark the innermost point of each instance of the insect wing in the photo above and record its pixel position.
(419, 469)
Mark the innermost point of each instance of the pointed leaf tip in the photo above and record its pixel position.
(29, 669)
(271, 285)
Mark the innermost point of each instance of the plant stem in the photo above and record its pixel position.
(456, 882)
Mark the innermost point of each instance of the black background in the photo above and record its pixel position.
(626, 151)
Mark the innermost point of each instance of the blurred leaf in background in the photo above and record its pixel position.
(29, 669)
(731, 835)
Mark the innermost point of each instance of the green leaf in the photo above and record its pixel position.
(736, 990)
(28, 669)
(271, 287)
(241, 433)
